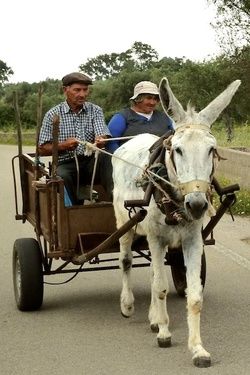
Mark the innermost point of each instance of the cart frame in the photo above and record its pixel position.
(78, 235)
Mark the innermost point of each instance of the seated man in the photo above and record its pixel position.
(79, 121)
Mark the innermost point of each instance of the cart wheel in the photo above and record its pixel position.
(27, 274)
(179, 275)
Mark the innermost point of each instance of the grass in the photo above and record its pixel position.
(241, 136)
(242, 204)
(240, 140)
(10, 137)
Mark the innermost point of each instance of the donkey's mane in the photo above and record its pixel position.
(191, 116)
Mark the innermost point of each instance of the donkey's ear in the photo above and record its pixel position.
(164, 97)
(212, 111)
(169, 101)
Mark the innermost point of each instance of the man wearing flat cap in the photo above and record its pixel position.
(79, 121)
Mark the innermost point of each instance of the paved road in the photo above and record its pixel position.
(80, 330)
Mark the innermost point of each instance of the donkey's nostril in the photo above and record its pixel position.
(196, 207)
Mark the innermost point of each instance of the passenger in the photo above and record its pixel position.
(141, 117)
(79, 120)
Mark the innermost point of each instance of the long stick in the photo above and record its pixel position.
(114, 237)
(38, 127)
(36, 174)
(54, 244)
(20, 152)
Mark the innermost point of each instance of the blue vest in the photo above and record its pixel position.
(158, 124)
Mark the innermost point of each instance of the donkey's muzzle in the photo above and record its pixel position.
(196, 205)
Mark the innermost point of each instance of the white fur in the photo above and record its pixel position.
(193, 159)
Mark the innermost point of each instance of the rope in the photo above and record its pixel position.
(93, 147)
(118, 138)
(77, 174)
(93, 175)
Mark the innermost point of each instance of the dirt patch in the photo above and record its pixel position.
(243, 149)
(247, 240)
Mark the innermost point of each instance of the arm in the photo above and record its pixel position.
(100, 128)
(117, 126)
(69, 145)
(46, 141)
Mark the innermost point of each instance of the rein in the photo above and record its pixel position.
(194, 185)
(156, 174)
(165, 197)
(164, 192)
(91, 147)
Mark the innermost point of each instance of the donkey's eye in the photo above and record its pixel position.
(178, 150)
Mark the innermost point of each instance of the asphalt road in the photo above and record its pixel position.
(80, 330)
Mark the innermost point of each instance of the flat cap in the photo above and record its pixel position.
(76, 77)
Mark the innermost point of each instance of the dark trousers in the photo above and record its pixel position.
(68, 171)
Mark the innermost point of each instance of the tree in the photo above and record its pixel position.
(232, 24)
(143, 56)
(140, 56)
(114, 93)
(240, 67)
(104, 66)
(5, 71)
(28, 100)
(192, 81)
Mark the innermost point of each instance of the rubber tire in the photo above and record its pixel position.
(179, 275)
(27, 274)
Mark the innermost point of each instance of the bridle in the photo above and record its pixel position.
(192, 186)
(167, 198)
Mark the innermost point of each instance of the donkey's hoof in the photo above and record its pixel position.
(154, 328)
(124, 316)
(164, 343)
(127, 310)
(202, 361)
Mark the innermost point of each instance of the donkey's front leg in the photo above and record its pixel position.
(192, 256)
(158, 315)
(126, 258)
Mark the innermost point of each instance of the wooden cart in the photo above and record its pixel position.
(80, 238)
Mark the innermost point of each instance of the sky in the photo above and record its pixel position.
(51, 38)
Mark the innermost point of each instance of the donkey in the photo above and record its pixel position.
(189, 159)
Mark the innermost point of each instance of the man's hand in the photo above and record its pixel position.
(100, 141)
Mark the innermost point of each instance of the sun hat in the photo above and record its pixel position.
(145, 87)
(76, 77)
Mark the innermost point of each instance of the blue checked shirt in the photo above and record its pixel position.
(85, 125)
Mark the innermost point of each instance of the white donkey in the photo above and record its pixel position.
(189, 160)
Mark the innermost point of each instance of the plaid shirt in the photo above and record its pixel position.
(85, 125)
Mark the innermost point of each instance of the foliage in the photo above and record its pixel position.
(140, 56)
(232, 23)
(5, 72)
(241, 136)
(27, 101)
(242, 204)
(198, 82)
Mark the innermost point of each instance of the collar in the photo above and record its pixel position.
(67, 109)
